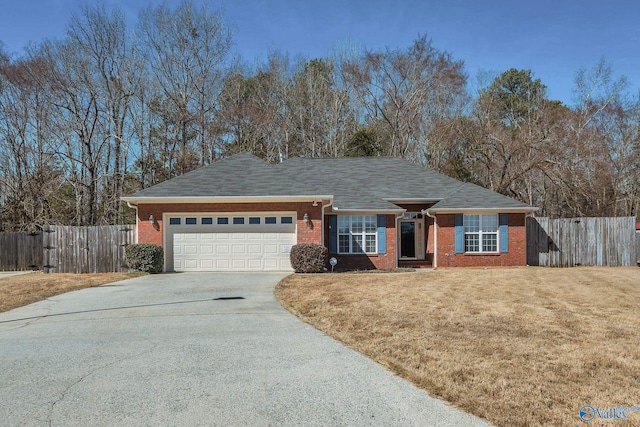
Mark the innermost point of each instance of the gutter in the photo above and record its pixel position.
(223, 199)
(372, 211)
(481, 210)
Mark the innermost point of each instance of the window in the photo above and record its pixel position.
(481, 233)
(286, 220)
(254, 220)
(357, 234)
(174, 221)
(270, 220)
(412, 215)
(223, 221)
(190, 221)
(206, 221)
(238, 220)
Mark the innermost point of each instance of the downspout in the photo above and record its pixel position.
(435, 236)
(136, 208)
(398, 217)
(323, 214)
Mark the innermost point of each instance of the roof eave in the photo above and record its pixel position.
(224, 199)
(528, 209)
(347, 210)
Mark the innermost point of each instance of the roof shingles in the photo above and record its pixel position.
(358, 183)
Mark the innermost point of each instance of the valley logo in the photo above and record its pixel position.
(588, 413)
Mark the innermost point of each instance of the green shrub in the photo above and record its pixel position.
(144, 257)
(308, 258)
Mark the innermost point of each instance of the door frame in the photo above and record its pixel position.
(419, 236)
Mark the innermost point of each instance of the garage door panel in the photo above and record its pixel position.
(238, 249)
(222, 264)
(254, 264)
(271, 264)
(190, 249)
(190, 264)
(238, 263)
(254, 249)
(284, 264)
(250, 247)
(222, 249)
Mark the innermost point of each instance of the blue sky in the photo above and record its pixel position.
(552, 38)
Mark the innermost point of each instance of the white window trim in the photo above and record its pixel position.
(480, 233)
(364, 235)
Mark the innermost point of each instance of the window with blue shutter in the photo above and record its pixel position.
(459, 230)
(382, 234)
(504, 232)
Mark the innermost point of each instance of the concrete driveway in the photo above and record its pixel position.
(193, 349)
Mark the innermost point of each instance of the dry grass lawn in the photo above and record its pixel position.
(18, 291)
(517, 346)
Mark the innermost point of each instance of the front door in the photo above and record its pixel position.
(411, 239)
(408, 239)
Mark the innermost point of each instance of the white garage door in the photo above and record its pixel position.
(233, 242)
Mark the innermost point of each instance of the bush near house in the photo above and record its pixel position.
(309, 258)
(145, 257)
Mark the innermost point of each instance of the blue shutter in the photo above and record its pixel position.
(504, 232)
(459, 234)
(382, 234)
(333, 234)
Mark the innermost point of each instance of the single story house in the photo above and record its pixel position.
(244, 214)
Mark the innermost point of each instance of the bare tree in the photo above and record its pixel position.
(406, 92)
(28, 175)
(186, 50)
(319, 110)
(101, 38)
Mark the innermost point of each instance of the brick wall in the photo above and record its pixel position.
(447, 256)
(368, 262)
(152, 233)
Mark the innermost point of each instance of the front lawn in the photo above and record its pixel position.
(517, 346)
(18, 291)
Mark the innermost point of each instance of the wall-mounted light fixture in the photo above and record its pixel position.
(314, 204)
(152, 220)
(306, 219)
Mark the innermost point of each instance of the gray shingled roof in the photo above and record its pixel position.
(358, 183)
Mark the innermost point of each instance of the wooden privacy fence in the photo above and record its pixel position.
(65, 249)
(569, 242)
(20, 251)
(98, 249)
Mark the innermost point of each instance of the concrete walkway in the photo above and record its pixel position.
(193, 349)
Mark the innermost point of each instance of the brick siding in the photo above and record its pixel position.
(152, 233)
(368, 262)
(447, 256)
